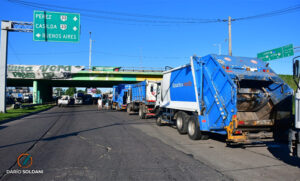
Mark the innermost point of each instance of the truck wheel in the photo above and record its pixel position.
(194, 130)
(142, 115)
(181, 122)
(158, 121)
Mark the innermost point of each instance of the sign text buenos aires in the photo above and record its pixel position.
(56, 26)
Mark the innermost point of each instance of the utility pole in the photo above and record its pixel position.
(90, 54)
(229, 36)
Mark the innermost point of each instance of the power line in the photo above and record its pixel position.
(99, 52)
(151, 18)
(154, 19)
(272, 13)
(14, 53)
(114, 13)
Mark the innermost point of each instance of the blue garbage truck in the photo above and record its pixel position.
(142, 98)
(240, 97)
(120, 94)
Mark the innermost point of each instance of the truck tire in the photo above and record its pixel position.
(142, 114)
(158, 121)
(182, 122)
(194, 130)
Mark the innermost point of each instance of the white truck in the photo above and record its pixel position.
(64, 100)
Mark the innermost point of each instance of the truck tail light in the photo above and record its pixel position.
(238, 132)
(241, 122)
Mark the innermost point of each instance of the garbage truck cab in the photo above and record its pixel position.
(240, 97)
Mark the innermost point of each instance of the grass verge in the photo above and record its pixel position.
(14, 113)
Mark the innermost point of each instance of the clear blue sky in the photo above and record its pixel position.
(123, 43)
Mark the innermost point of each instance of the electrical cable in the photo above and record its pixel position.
(272, 13)
(150, 18)
(178, 21)
(114, 13)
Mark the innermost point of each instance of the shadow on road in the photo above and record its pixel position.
(85, 110)
(2, 127)
(281, 152)
(75, 133)
(278, 150)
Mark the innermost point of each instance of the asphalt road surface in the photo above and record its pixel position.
(81, 143)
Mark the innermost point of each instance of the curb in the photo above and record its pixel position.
(23, 116)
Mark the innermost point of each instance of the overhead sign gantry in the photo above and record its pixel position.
(47, 26)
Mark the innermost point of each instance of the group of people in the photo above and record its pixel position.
(103, 102)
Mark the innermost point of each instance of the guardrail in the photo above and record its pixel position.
(130, 69)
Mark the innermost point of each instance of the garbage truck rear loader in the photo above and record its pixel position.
(120, 94)
(236, 96)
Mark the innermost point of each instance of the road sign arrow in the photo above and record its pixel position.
(75, 19)
(38, 35)
(75, 29)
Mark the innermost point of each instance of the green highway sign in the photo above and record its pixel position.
(277, 53)
(56, 26)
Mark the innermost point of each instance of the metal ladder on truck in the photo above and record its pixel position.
(294, 136)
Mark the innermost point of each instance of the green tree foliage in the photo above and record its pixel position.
(81, 91)
(59, 91)
(98, 91)
(71, 91)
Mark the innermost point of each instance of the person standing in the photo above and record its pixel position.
(99, 103)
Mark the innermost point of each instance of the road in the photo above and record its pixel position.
(81, 143)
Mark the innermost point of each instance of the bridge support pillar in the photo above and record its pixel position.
(42, 92)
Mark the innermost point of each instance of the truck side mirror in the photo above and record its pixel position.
(296, 68)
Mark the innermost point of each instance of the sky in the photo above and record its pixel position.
(125, 36)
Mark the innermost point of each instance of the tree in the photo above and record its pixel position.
(71, 91)
(98, 91)
(59, 91)
(81, 91)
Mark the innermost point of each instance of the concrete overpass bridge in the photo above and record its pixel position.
(44, 77)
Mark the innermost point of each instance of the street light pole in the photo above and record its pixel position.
(229, 36)
(90, 53)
